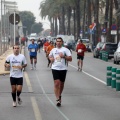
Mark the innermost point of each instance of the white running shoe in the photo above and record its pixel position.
(31, 68)
(14, 104)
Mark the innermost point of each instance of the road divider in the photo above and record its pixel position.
(113, 77)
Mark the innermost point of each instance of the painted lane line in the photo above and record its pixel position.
(28, 82)
(33, 101)
(36, 109)
(89, 75)
(44, 93)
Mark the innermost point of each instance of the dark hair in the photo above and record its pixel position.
(51, 42)
(59, 38)
(15, 45)
(81, 41)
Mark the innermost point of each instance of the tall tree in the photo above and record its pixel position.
(27, 19)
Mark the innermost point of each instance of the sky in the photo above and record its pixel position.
(33, 6)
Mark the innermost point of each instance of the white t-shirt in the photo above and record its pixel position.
(16, 61)
(59, 63)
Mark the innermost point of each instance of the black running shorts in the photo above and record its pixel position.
(33, 57)
(59, 74)
(80, 57)
(16, 81)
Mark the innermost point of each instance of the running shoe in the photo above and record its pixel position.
(31, 68)
(58, 103)
(78, 68)
(14, 104)
(19, 101)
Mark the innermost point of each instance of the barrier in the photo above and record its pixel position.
(113, 82)
(118, 80)
(109, 75)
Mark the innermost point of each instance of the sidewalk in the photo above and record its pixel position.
(2, 61)
(3, 58)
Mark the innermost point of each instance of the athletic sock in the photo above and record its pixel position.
(14, 96)
(18, 93)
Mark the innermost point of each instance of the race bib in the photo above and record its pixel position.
(79, 50)
(15, 68)
(58, 59)
(38, 42)
(32, 50)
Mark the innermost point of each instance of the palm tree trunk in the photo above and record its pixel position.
(97, 21)
(69, 16)
(83, 26)
(110, 21)
(56, 28)
(78, 17)
(74, 19)
(63, 20)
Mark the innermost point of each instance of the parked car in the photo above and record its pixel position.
(117, 56)
(70, 44)
(96, 51)
(110, 48)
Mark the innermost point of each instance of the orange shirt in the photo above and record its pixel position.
(81, 47)
(49, 48)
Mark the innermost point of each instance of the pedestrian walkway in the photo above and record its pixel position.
(2, 61)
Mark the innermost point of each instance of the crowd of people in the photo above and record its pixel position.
(58, 57)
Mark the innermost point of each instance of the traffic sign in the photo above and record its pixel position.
(113, 27)
(104, 30)
(17, 18)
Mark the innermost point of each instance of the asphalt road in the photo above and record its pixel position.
(85, 96)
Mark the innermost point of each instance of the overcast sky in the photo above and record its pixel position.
(33, 6)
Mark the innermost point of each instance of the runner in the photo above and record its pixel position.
(16, 62)
(33, 48)
(49, 48)
(80, 49)
(39, 42)
(58, 57)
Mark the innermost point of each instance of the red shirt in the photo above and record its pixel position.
(81, 48)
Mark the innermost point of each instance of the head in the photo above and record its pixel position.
(33, 40)
(16, 49)
(59, 42)
(51, 43)
(79, 41)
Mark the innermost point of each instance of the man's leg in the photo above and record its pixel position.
(81, 64)
(78, 64)
(14, 95)
(19, 90)
(35, 62)
(31, 60)
(57, 88)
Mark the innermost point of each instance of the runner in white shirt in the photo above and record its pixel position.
(59, 57)
(16, 62)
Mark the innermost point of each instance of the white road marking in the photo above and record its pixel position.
(66, 118)
(89, 75)
(33, 100)
(28, 82)
(36, 109)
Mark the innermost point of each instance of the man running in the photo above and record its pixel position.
(49, 48)
(58, 57)
(80, 49)
(33, 48)
(39, 42)
(16, 62)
